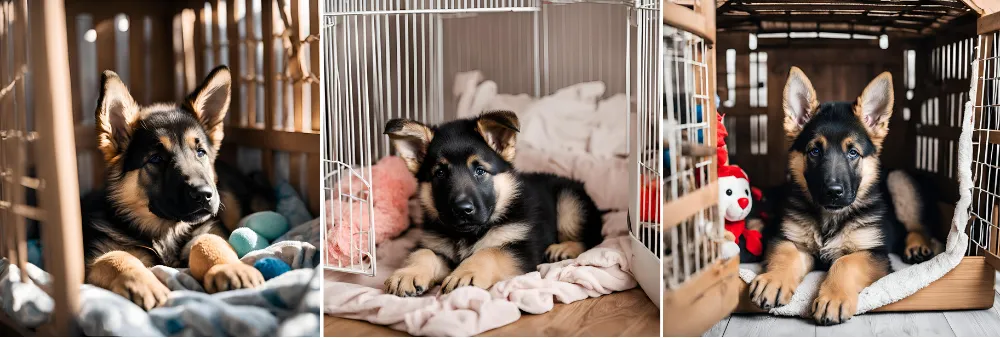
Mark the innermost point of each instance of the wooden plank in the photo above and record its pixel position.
(684, 18)
(314, 20)
(988, 24)
(273, 139)
(718, 329)
(922, 324)
(62, 240)
(693, 308)
(313, 177)
(966, 287)
(980, 323)
(688, 205)
(766, 325)
(233, 34)
(296, 92)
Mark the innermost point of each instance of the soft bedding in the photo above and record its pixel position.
(287, 305)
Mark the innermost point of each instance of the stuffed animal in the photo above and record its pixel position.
(735, 203)
(390, 207)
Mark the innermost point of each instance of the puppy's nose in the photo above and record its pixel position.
(200, 193)
(835, 190)
(463, 206)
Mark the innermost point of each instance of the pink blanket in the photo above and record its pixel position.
(469, 311)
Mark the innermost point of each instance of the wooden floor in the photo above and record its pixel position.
(982, 323)
(628, 313)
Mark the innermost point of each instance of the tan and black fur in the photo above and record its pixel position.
(164, 199)
(839, 211)
(483, 221)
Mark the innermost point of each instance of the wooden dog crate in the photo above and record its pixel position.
(930, 48)
(161, 50)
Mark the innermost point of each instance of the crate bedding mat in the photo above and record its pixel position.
(287, 305)
(905, 279)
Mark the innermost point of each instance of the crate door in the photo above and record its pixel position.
(983, 230)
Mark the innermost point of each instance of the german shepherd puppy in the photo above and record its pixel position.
(163, 199)
(484, 221)
(837, 213)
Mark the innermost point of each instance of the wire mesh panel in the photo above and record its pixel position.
(401, 59)
(692, 230)
(984, 233)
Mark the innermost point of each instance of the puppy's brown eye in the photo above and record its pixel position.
(439, 173)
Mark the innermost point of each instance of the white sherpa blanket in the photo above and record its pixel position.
(469, 310)
(906, 280)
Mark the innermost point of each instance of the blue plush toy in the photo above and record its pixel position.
(244, 240)
(267, 224)
(271, 267)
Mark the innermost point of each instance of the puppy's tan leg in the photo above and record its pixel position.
(124, 273)
(565, 250)
(215, 264)
(483, 269)
(838, 295)
(422, 270)
(786, 266)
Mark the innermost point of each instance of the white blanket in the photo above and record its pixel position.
(574, 119)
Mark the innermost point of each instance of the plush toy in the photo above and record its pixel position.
(244, 240)
(735, 204)
(391, 193)
(268, 224)
(271, 267)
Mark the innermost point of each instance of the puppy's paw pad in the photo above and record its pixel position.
(562, 251)
(232, 276)
(142, 288)
(771, 290)
(918, 253)
(408, 282)
(832, 308)
(468, 277)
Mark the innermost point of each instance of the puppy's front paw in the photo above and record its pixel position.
(834, 306)
(141, 287)
(772, 289)
(231, 276)
(480, 278)
(408, 282)
(565, 250)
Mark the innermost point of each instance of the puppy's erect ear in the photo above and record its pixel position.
(799, 102)
(410, 138)
(116, 112)
(499, 129)
(874, 107)
(210, 103)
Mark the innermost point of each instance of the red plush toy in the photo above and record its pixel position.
(735, 202)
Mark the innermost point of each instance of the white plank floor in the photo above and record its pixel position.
(982, 323)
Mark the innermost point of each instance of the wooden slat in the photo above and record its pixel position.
(251, 66)
(62, 239)
(686, 19)
(702, 301)
(681, 209)
(280, 140)
(137, 61)
(314, 20)
(15, 149)
(969, 286)
(296, 92)
(270, 79)
(313, 177)
(235, 66)
(988, 24)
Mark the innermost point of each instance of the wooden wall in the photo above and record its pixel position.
(838, 71)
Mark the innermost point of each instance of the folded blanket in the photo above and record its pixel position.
(468, 310)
